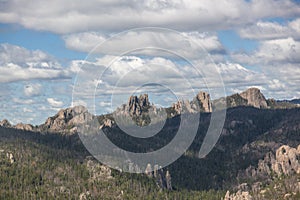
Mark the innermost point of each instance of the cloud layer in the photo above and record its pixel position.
(35, 85)
(18, 63)
(71, 16)
(148, 41)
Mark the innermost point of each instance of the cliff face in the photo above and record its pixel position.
(255, 98)
(203, 100)
(286, 161)
(65, 120)
(201, 103)
(137, 105)
(250, 97)
(280, 169)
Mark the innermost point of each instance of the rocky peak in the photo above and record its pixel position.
(183, 106)
(254, 97)
(201, 103)
(5, 123)
(66, 120)
(204, 101)
(136, 105)
(286, 161)
(24, 127)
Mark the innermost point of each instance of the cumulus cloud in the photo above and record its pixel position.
(272, 51)
(148, 41)
(279, 60)
(23, 101)
(54, 103)
(271, 30)
(135, 75)
(18, 63)
(31, 90)
(26, 58)
(71, 16)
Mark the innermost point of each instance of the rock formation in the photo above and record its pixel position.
(255, 98)
(140, 111)
(203, 100)
(5, 123)
(239, 195)
(201, 103)
(107, 123)
(163, 180)
(286, 161)
(10, 157)
(24, 127)
(7, 155)
(98, 172)
(137, 105)
(250, 97)
(66, 120)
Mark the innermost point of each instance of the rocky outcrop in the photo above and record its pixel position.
(283, 166)
(137, 105)
(5, 123)
(250, 97)
(182, 106)
(255, 98)
(140, 111)
(286, 161)
(7, 155)
(201, 103)
(203, 100)
(163, 180)
(98, 172)
(107, 123)
(66, 120)
(85, 195)
(10, 157)
(24, 127)
(239, 195)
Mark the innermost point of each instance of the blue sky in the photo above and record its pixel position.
(43, 45)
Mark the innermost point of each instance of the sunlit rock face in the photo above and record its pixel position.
(255, 98)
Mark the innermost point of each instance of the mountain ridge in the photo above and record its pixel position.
(248, 135)
(140, 108)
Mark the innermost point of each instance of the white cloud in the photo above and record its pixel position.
(85, 41)
(278, 60)
(54, 103)
(12, 72)
(23, 101)
(26, 58)
(276, 84)
(27, 110)
(31, 90)
(132, 74)
(155, 42)
(272, 51)
(104, 103)
(17, 63)
(271, 30)
(71, 16)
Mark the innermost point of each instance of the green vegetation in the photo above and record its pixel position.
(54, 166)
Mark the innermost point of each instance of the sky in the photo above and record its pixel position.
(61, 53)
